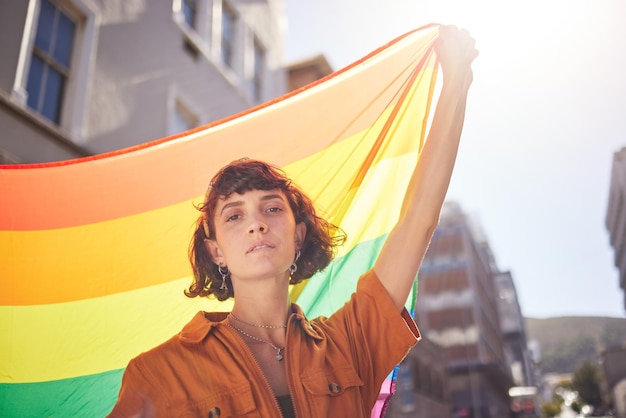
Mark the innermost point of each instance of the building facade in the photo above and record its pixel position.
(614, 365)
(513, 327)
(83, 77)
(526, 392)
(457, 308)
(421, 388)
(307, 71)
(616, 215)
(614, 358)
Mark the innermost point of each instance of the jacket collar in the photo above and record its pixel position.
(200, 325)
(300, 320)
(203, 323)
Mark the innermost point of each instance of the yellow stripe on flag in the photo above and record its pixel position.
(58, 341)
(131, 322)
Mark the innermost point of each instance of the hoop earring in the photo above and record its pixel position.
(224, 274)
(294, 267)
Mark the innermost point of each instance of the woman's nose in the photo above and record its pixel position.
(258, 225)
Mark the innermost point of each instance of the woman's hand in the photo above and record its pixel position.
(455, 51)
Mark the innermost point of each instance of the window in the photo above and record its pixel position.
(257, 77)
(50, 61)
(228, 35)
(190, 12)
(218, 32)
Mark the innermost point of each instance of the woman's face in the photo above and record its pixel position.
(256, 235)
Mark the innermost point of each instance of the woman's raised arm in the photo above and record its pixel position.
(406, 244)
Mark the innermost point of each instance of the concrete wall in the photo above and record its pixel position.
(134, 62)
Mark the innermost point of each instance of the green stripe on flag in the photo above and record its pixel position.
(329, 290)
(86, 396)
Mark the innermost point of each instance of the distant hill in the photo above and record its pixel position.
(565, 342)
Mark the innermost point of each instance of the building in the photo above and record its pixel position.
(457, 307)
(308, 70)
(516, 346)
(83, 77)
(614, 365)
(526, 394)
(616, 215)
(421, 387)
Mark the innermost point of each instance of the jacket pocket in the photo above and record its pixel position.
(333, 390)
(234, 401)
(331, 382)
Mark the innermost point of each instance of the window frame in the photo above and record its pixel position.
(207, 41)
(52, 64)
(232, 42)
(75, 93)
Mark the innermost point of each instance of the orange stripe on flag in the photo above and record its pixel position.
(177, 169)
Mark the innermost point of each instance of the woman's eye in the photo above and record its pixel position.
(232, 218)
(274, 209)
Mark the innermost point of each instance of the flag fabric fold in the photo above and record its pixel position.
(94, 250)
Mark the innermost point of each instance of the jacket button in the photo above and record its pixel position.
(214, 413)
(334, 388)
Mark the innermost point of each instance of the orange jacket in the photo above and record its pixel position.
(335, 365)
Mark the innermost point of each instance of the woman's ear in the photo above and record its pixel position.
(300, 234)
(214, 251)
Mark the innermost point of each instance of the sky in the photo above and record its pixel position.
(546, 112)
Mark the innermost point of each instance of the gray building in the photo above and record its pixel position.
(513, 329)
(83, 77)
(614, 364)
(616, 215)
(308, 70)
(457, 308)
(421, 386)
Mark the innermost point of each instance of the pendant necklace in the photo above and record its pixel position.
(279, 355)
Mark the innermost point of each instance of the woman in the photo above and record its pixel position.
(256, 234)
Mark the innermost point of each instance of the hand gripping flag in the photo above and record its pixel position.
(93, 251)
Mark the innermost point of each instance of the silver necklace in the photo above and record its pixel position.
(279, 355)
(257, 325)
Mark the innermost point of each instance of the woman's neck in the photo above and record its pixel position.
(264, 304)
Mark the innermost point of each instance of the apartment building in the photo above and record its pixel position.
(457, 308)
(616, 216)
(83, 77)
(614, 358)
(421, 387)
(308, 70)
(519, 355)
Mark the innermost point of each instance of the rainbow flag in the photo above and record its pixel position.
(94, 250)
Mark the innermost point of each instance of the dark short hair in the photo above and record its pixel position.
(319, 244)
